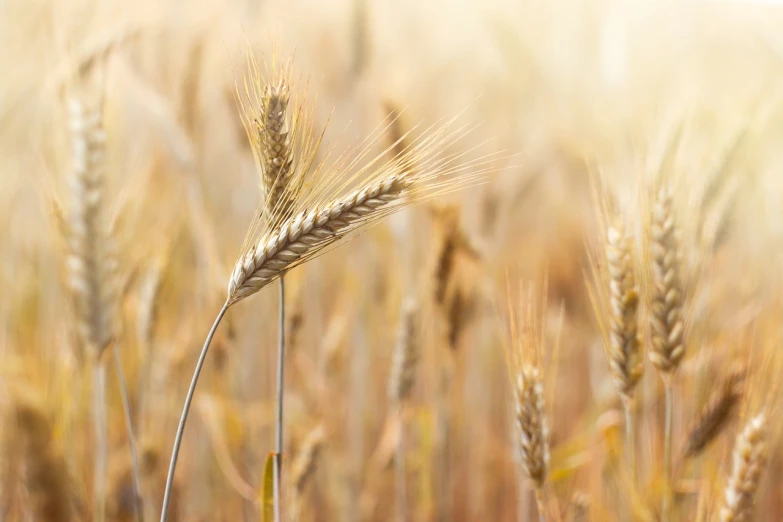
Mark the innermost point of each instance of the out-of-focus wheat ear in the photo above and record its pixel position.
(532, 424)
(749, 461)
(668, 325)
(406, 356)
(304, 467)
(91, 264)
(460, 309)
(580, 507)
(625, 353)
(447, 221)
(715, 414)
(45, 476)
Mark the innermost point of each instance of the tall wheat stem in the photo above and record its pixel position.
(541, 503)
(138, 504)
(667, 449)
(101, 441)
(399, 471)
(184, 418)
(629, 438)
(278, 467)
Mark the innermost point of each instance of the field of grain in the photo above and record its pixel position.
(453, 260)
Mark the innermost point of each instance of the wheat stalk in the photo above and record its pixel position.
(668, 325)
(401, 381)
(524, 359)
(91, 267)
(750, 459)
(277, 243)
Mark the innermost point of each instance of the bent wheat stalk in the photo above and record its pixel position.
(278, 242)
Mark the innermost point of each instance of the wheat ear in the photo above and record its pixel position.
(668, 326)
(715, 414)
(307, 232)
(750, 459)
(304, 467)
(45, 473)
(406, 356)
(625, 358)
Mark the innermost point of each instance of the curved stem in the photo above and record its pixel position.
(278, 467)
(184, 418)
(138, 505)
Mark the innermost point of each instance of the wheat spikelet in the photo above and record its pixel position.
(715, 414)
(45, 475)
(668, 327)
(406, 355)
(624, 347)
(90, 262)
(750, 459)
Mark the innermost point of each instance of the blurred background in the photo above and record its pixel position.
(565, 92)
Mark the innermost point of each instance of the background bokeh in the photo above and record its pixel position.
(564, 92)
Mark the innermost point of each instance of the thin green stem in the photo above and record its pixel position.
(138, 504)
(101, 440)
(184, 418)
(278, 467)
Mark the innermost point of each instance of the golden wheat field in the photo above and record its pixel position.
(364, 260)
